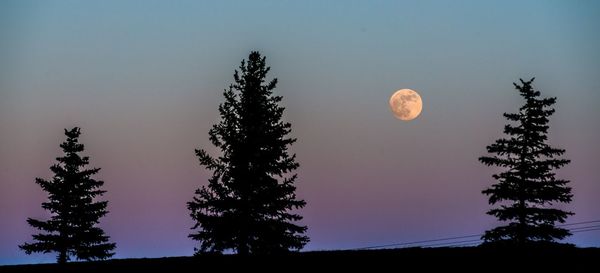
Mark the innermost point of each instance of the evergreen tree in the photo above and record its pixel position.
(71, 230)
(247, 203)
(527, 187)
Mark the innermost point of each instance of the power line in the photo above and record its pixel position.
(466, 244)
(593, 229)
(452, 243)
(420, 242)
(473, 241)
(578, 223)
(577, 228)
(573, 230)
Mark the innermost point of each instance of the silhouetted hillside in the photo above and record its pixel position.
(572, 259)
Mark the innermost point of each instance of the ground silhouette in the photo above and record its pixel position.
(407, 259)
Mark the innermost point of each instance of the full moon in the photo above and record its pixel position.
(406, 104)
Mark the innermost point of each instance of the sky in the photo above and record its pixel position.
(144, 79)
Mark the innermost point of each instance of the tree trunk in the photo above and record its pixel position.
(521, 237)
(62, 257)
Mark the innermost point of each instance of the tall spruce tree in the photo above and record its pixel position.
(527, 187)
(71, 230)
(246, 206)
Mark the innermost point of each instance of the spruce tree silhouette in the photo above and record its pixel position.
(246, 205)
(527, 188)
(71, 230)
